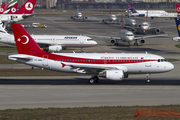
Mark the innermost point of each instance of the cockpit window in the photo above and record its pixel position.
(162, 60)
(90, 40)
(144, 24)
(129, 35)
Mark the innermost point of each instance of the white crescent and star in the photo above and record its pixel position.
(27, 39)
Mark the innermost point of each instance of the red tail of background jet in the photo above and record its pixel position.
(12, 10)
(178, 8)
(2, 6)
(27, 7)
(24, 42)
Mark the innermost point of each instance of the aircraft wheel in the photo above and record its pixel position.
(94, 80)
(135, 44)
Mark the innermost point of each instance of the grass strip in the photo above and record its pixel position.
(178, 45)
(84, 113)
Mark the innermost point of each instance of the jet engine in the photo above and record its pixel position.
(112, 41)
(55, 48)
(133, 30)
(142, 41)
(157, 31)
(116, 75)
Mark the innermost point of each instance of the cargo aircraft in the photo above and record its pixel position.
(52, 43)
(113, 66)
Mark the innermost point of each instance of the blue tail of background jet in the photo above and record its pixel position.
(178, 25)
(130, 8)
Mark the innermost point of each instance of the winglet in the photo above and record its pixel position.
(24, 42)
(178, 25)
(27, 7)
(178, 8)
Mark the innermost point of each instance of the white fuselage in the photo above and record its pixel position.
(78, 14)
(13, 17)
(112, 17)
(128, 62)
(145, 26)
(62, 40)
(126, 36)
(130, 22)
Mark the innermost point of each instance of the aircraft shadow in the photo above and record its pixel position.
(84, 81)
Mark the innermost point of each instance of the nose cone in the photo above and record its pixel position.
(133, 23)
(170, 66)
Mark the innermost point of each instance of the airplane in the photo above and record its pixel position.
(113, 66)
(111, 17)
(127, 36)
(177, 20)
(24, 12)
(2, 6)
(52, 43)
(11, 7)
(136, 28)
(152, 13)
(79, 16)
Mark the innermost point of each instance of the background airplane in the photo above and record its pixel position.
(113, 66)
(177, 21)
(111, 17)
(127, 36)
(11, 7)
(2, 6)
(78, 15)
(24, 12)
(52, 42)
(151, 13)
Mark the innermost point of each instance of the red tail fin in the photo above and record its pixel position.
(2, 8)
(24, 42)
(27, 7)
(178, 8)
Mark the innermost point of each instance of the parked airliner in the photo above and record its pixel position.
(11, 7)
(113, 66)
(151, 13)
(24, 12)
(127, 36)
(52, 42)
(79, 16)
(111, 17)
(143, 27)
(177, 20)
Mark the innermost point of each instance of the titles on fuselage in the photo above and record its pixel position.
(70, 37)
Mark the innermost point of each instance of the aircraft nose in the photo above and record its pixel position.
(169, 66)
(94, 42)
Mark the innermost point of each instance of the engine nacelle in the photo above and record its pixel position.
(86, 17)
(116, 75)
(133, 30)
(112, 41)
(157, 31)
(142, 41)
(55, 48)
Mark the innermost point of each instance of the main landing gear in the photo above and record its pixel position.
(94, 79)
(148, 78)
(136, 43)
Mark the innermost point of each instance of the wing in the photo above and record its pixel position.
(84, 68)
(103, 36)
(162, 27)
(152, 36)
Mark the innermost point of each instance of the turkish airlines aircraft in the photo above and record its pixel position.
(24, 12)
(113, 66)
(52, 42)
(2, 8)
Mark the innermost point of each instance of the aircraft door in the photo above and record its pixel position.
(45, 60)
(81, 39)
(148, 63)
